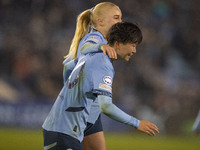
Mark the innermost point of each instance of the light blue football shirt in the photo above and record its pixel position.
(92, 76)
(91, 42)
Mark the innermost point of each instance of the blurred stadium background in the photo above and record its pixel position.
(160, 84)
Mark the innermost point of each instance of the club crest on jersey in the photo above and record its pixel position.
(107, 80)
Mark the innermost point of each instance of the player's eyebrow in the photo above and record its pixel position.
(116, 16)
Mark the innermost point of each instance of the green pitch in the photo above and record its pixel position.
(19, 139)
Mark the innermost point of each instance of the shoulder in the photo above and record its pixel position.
(98, 59)
(95, 37)
(98, 56)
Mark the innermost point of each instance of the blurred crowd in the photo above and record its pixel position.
(161, 80)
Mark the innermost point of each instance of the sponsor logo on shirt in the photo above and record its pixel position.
(105, 87)
(107, 80)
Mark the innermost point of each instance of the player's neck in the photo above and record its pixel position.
(101, 31)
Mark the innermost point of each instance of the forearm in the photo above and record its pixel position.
(90, 47)
(112, 111)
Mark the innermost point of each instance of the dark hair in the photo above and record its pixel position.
(124, 32)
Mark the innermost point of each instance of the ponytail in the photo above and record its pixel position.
(86, 18)
(83, 21)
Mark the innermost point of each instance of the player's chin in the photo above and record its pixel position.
(127, 58)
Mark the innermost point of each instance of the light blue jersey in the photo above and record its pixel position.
(73, 107)
(91, 42)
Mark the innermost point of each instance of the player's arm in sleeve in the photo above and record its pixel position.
(94, 44)
(112, 111)
(102, 77)
(196, 126)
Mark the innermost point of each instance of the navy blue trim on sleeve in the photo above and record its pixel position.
(100, 92)
(74, 109)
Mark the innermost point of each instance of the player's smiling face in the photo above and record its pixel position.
(125, 51)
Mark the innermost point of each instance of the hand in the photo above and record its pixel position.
(109, 50)
(148, 127)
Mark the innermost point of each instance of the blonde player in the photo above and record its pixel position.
(90, 36)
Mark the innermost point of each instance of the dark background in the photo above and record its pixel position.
(161, 82)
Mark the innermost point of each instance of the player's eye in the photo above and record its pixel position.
(116, 17)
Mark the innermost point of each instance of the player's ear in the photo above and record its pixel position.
(100, 22)
(116, 45)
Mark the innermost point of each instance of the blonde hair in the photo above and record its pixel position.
(84, 21)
